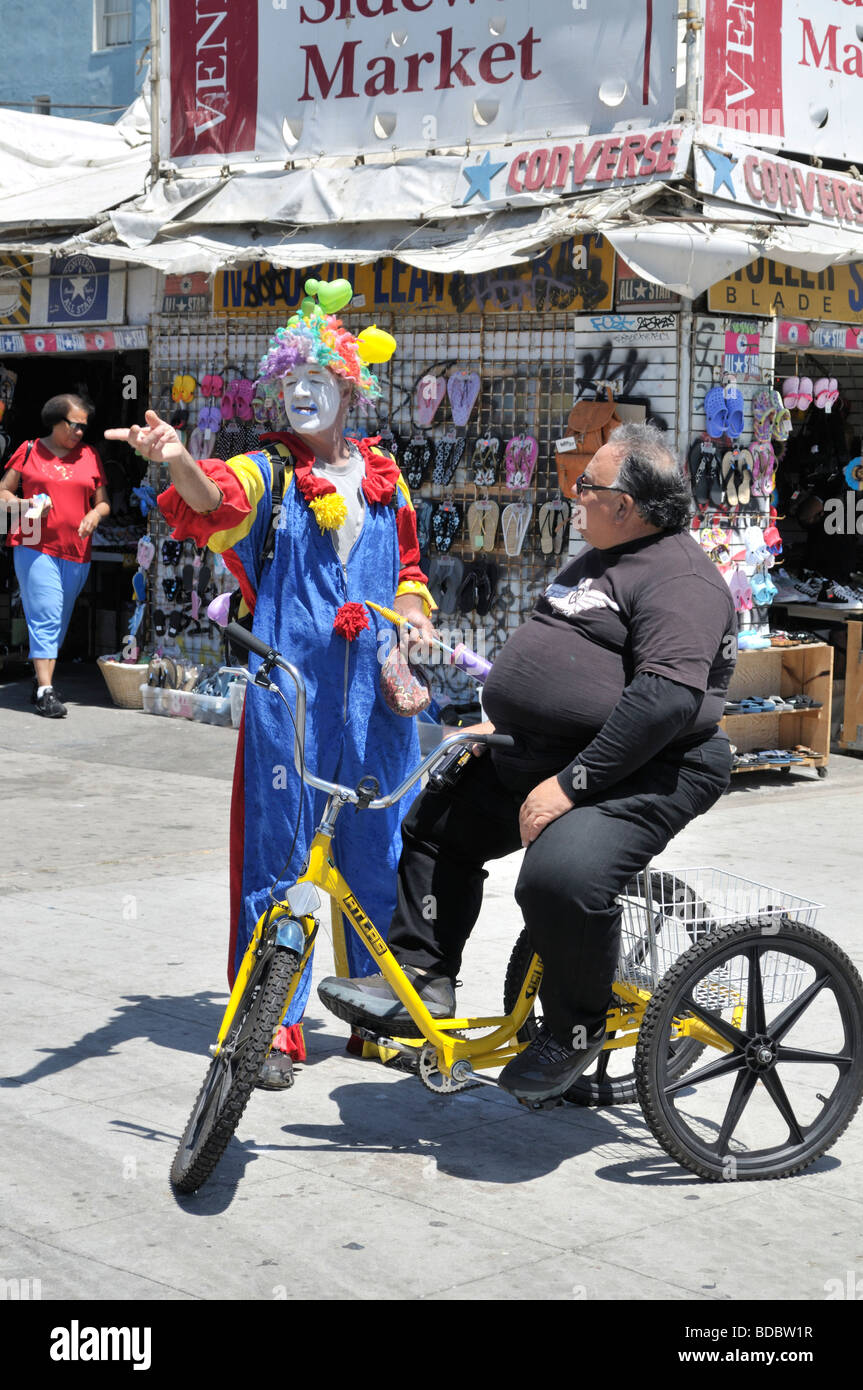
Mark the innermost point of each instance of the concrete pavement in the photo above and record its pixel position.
(114, 903)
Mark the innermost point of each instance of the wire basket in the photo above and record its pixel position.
(683, 905)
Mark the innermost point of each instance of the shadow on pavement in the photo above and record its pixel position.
(183, 1023)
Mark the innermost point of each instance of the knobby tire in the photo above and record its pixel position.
(233, 1073)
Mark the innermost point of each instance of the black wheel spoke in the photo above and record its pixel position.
(789, 1017)
(800, 1054)
(727, 1031)
(777, 1091)
(743, 1088)
(756, 1020)
(723, 1066)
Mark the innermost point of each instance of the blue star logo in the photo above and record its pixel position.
(722, 165)
(479, 176)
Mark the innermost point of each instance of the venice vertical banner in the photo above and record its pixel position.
(271, 80)
(786, 74)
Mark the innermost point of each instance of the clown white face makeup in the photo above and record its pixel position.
(313, 396)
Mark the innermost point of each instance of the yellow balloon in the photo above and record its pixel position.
(374, 345)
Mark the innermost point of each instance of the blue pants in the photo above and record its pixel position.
(49, 589)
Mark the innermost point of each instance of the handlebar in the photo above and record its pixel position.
(243, 638)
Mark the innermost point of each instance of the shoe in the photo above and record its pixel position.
(371, 1003)
(35, 687)
(547, 1068)
(49, 706)
(276, 1072)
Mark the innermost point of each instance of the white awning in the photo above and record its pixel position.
(66, 173)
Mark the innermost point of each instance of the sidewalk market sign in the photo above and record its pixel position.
(786, 74)
(754, 179)
(766, 288)
(268, 80)
(576, 275)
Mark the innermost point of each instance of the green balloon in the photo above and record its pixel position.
(332, 295)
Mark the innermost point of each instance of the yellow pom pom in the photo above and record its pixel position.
(331, 511)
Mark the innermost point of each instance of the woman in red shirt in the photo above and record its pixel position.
(52, 537)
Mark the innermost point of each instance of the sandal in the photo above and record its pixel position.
(545, 526)
(423, 512)
(446, 575)
(468, 594)
(561, 526)
(519, 458)
(486, 583)
(427, 397)
(728, 477)
(462, 389)
(743, 477)
(515, 522)
(484, 461)
(716, 412)
(702, 459)
(415, 461)
(805, 395)
(448, 452)
(446, 521)
(482, 519)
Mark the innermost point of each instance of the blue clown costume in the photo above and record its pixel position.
(350, 731)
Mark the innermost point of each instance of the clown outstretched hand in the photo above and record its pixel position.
(156, 440)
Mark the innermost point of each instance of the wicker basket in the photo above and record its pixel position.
(123, 681)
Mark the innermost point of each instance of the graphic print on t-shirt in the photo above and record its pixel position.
(570, 601)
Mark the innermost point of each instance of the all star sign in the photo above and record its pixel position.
(272, 80)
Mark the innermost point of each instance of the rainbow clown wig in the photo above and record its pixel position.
(323, 339)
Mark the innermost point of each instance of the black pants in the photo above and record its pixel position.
(569, 879)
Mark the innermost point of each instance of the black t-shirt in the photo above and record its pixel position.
(655, 605)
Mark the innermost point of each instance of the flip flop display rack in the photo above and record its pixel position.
(472, 424)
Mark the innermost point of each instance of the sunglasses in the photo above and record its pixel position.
(583, 484)
(75, 424)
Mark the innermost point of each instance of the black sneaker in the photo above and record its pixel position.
(35, 689)
(49, 706)
(547, 1068)
(371, 1003)
(276, 1072)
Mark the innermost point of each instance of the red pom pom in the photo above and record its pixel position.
(350, 620)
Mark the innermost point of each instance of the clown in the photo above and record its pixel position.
(346, 533)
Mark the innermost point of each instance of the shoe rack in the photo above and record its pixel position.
(799, 670)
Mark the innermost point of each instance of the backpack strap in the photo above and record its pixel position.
(281, 459)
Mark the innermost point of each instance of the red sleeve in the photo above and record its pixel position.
(191, 525)
(17, 459)
(409, 546)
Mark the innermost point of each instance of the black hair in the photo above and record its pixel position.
(58, 408)
(651, 473)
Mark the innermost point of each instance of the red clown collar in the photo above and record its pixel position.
(379, 483)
